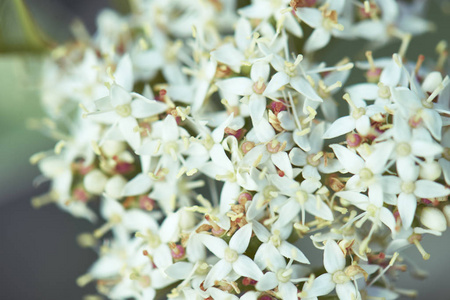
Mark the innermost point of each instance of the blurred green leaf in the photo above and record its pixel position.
(18, 29)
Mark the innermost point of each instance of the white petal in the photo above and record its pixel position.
(162, 256)
(346, 291)
(433, 121)
(230, 56)
(278, 80)
(387, 218)
(138, 220)
(219, 157)
(241, 238)
(298, 157)
(288, 212)
(119, 96)
(333, 258)
(221, 269)
(228, 195)
(288, 291)
(391, 184)
(281, 160)
(391, 74)
(291, 251)
(339, 127)
(362, 125)
(301, 140)
(216, 245)
(143, 109)
(243, 33)
(275, 261)
(179, 270)
(264, 131)
(321, 286)
(354, 197)
(302, 86)
(311, 16)
(170, 129)
(124, 73)
(425, 148)
(267, 282)
(138, 185)
(127, 126)
(245, 266)
(317, 40)
(242, 86)
(110, 207)
(406, 204)
(377, 160)
(430, 189)
(261, 232)
(257, 106)
(351, 161)
(407, 168)
(376, 194)
(260, 69)
(367, 91)
(309, 172)
(318, 208)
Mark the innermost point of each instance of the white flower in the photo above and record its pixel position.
(325, 22)
(231, 256)
(336, 277)
(282, 275)
(121, 110)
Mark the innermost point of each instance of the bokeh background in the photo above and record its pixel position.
(39, 256)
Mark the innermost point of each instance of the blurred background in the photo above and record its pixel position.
(39, 256)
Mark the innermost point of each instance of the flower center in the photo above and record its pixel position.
(123, 110)
(172, 149)
(259, 86)
(275, 238)
(365, 174)
(383, 91)
(353, 140)
(301, 196)
(284, 275)
(403, 149)
(230, 255)
(427, 104)
(290, 68)
(314, 159)
(372, 210)
(358, 113)
(339, 277)
(202, 268)
(270, 192)
(274, 146)
(408, 187)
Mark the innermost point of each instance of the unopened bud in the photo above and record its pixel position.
(434, 219)
(95, 182)
(114, 186)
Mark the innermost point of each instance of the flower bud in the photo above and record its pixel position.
(95, 182)
(430, 170)
(114, 186)
(434, 219)
(432, 81)
(111, 148)
(52, 166)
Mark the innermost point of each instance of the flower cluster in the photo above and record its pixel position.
(210, 136)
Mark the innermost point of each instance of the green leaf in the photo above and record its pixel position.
(18, 29)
